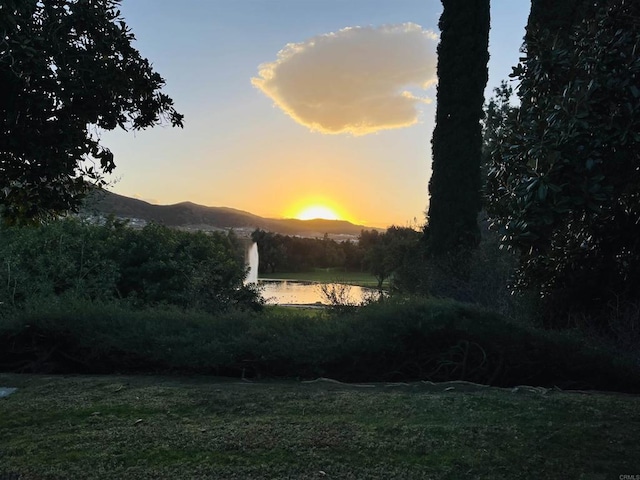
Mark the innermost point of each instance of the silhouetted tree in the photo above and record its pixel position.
(387, 253)
(67, 70)
(284, 253)
(272, 253)
(553, 16)
(564, 179)
(353, 256)
(455, 184)
(555, 21)
(376, 255)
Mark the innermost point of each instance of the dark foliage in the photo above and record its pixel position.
(386, 254)
(564, 179)
(152, 266)
(284, 253)
(67, 70)
(457, 139)
(396, 341)
(380, 253)
(497, 113)
(553, 16)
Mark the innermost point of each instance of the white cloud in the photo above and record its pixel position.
(354, 80)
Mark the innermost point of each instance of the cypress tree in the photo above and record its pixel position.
(455, 184)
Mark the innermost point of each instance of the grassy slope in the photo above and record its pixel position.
(166, 428)
(328, 275)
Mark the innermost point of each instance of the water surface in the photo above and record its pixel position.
(295, 292)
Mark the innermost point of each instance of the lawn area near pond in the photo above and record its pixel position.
(148, 427)
(328, 275)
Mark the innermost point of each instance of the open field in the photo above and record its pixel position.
(143, 427)
(328, 275)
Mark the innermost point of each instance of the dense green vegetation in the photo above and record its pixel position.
(284, 253)
(556, 17)
(394, 341)
(563, 176)
(115, 427)
(67, 70)
(107, 298)
(74, 259)
(381, 254)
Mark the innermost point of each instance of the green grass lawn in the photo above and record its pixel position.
(328, 275)
(117, 427)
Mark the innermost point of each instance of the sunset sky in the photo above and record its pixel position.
(291, 104)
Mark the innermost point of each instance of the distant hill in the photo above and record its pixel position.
(187, 214)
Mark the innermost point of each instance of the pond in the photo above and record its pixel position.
(290, 292)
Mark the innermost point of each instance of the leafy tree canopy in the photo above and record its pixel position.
(387, 253)
(283, 253)
(156, 265)
(564, 181)
(68, 70)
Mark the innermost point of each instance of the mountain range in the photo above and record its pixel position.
(191, 215)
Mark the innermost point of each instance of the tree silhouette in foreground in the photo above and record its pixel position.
(455, 184)
(564, 181)
(67, 70)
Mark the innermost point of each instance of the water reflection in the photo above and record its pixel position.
(288, 292)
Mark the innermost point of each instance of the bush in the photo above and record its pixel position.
(152, 266)
(405, 340)
(488, 270)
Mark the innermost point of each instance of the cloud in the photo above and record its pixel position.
(354, 80)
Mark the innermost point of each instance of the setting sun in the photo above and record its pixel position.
(317, 211)
(308, 114)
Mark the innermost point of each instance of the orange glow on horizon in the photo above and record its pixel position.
(316, 207)
(317, 211)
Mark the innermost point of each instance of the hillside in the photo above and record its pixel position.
(188, 214)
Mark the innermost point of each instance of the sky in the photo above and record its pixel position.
(294, 104)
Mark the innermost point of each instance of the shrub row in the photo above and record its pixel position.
(398, 341)
(152, 266)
